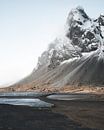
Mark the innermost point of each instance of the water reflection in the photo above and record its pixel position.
(25, 102)
(68, 96)
(10, 94)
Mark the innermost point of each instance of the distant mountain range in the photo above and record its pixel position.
(75, 58)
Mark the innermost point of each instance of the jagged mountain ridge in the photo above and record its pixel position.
(83, 34)
(76, 58)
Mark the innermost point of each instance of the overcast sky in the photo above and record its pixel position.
(28, 26)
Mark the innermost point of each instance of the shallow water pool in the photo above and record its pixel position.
(68, 96)
(26, 102)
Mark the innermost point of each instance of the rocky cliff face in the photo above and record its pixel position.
(76, 58)
(82, 34)
(83, 31)
(57, 52)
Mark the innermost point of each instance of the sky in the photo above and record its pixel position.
(28, 26)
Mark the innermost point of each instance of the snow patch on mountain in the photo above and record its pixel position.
(81, 35)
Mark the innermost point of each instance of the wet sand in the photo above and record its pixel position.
(88, 112)
(66, 115)
(27, 118)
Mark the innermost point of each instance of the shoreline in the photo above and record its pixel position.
(88, 113)
(49, 89)
(74, 114)
(28, 118)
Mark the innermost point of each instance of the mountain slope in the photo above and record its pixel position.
(76, 58)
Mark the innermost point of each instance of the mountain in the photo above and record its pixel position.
(82, 34)
(75, 58)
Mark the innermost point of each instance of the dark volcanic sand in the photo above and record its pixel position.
(88, 113)
(27, 118)
(66, 115)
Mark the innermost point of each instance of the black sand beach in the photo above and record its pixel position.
(66, 115)
(27, 118)
(87, 112)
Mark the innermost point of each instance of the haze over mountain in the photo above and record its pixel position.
(74, 58)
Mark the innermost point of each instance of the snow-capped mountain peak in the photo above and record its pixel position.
(78, 15)
(81, 34)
